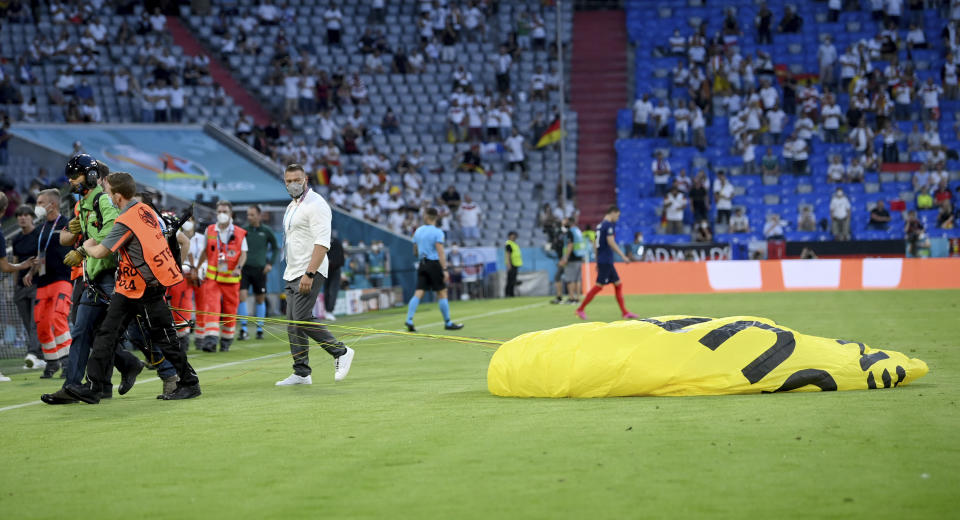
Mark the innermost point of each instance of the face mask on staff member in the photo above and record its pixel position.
(295, 189)
(223, 217)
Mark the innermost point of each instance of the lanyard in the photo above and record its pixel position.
(43, 252)
(222, 242)
(288, 220)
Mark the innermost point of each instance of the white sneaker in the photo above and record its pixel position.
(342, 364)
(329, 316)
(33, 362)
(4, 378)
(294, 379)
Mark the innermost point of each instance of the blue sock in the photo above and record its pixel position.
(242, 311)
(444, 309)
(261, 313)
(412, 308)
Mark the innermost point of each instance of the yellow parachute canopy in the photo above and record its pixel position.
(689, 355)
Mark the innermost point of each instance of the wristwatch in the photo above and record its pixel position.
(310, 275)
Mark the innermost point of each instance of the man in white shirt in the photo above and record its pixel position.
(673, 205)
(661, 119)
(503, 63)
(831, 114)
(681, 129)
(776, 119)
(158, 22)
(469, 215)
(455, 122)
(827, 58)
(160, 103)
(177, 101)
(268, 13)
(306, 231)
(840, 215)
(642, 108)
(739, 223)
(930, 93)
(515, 146)
(473, 22)
(768, 95)
(334, 21)
(723, 195)
(661, 174)
(848, 67)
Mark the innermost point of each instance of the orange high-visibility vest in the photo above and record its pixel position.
(231, 254)
(145, 224)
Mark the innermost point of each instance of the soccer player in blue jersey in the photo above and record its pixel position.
(432, 272)
(606, 273)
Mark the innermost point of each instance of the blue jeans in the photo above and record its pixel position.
(90, 312)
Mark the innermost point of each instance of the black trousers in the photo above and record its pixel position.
(511, 281)
(331, 288)
(120, 313)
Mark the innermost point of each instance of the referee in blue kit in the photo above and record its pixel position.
(432, 272)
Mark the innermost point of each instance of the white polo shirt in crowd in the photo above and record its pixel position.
(306, 223)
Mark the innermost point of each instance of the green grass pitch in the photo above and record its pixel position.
(413, 432)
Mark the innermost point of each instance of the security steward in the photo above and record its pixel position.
(514, 259)
(254, 273)
(94, 218)
(52, 278)
(146, 268)
(225, 253)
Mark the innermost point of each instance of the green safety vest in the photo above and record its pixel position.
(579, 245)
(516, 258)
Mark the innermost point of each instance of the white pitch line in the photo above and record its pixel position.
(243, 361)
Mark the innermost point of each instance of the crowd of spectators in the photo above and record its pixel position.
(478, 114)
(778, 120)
(76, 53)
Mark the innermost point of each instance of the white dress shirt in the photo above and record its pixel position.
(306, 223)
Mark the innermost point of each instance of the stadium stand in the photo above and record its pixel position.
(335, 98)
(116, 60)
(720, 56)
(91, 62)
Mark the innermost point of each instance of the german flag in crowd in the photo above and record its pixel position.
(553, 134)
(323, 176)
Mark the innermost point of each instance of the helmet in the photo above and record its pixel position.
(86, 166)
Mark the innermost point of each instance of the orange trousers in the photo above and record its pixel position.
(219, 297)
(51, 314)
(181, 297)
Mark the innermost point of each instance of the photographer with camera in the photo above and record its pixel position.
(554, 249)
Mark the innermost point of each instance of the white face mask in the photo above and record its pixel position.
(295, 189)
(223, 218)
(187, 226)
(40, 212)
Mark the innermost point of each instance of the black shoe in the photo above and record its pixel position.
(127, 380)
(259, 334)
(82, 393)
(453, 326)
(556, 300)
(50, 369)
(410, 326)
(209, 346)
(225, 345)
(243, 335)
(105, 395)
(182, 392)
(58, 397)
